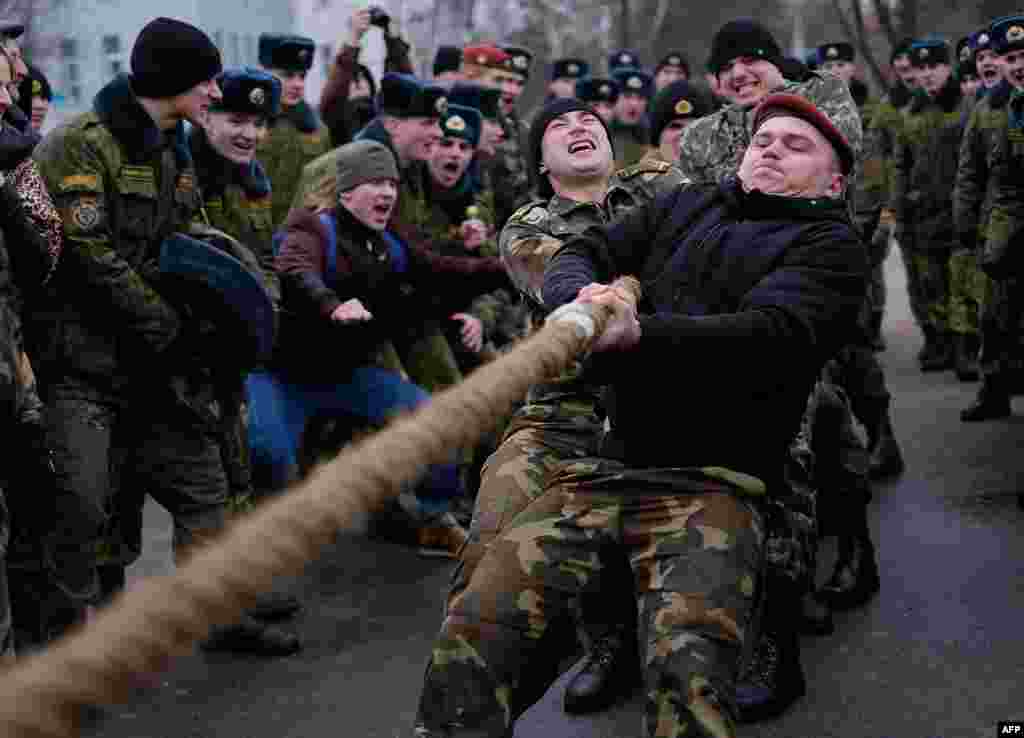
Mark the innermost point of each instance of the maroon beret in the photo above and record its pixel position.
(788, 104)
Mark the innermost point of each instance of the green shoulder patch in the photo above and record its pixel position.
(644, 166)
(531, 213)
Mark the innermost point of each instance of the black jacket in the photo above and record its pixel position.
(745, 297)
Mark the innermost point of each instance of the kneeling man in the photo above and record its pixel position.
(749, 287)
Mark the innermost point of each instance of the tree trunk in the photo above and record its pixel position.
(624, 23)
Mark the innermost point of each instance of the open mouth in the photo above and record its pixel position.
(382, 210)
(578, 147)
(989, 74)
(450, 167)
(1017, 75)
(244, 145)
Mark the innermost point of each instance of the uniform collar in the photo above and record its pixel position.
(757, 205)
(562, 206)
(119, 110)
(301, 116)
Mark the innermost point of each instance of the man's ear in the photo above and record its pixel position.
(837, 186)
(345, 197)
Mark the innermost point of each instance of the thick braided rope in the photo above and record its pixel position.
(144, 628)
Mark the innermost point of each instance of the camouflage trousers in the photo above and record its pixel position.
(694, 543)
(1002, 312)
(927, 284)
(968, 285)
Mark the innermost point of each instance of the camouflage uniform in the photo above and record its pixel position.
(921, 199)
(296, 138)
(124, 391)
(973, 198)
(713, 146)
(509, 171)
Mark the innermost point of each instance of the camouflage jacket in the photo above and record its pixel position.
(713, 146)
(237, 201)
(508, 171)
(630, 144)
(120, 185)
(973, 193)
(296, 138)
(925, 166)
(1006, 185)
(528, 241)
(883, 124)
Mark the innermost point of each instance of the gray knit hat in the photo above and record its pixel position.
(364, 161)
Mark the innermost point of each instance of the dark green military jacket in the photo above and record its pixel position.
(296, 138)
(237, 200)
(528, 241)
(1006, 185)
(973, 193)
(925, 167)
(121, 185)
(713, 146)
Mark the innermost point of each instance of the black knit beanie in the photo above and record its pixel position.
(548, 113)
(171, 57)
(742, 37)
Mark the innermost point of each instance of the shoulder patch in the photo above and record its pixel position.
(79, 182)
(531, 213)
(644, 166)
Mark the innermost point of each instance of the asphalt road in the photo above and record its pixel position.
(938, 654)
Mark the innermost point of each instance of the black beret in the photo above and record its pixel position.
(674, 59)
(447, 59)
(678, 100)
(635, 81)
(471, 95)
(839, 51)
(597, 89)
(742, 37)
(569, 69)
(519, 60)
(248, 90)
(930, 51)
(623, 58)
(287, 52)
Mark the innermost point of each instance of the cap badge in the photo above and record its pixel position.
(684, 107)
(573, 69)
(37, 87)
(303, 55)
(441, 105)
(922, 53)
(965, 53)
(832, 52)
(625, 59)
(481, 59)
(634, 83)
(455, 123)
(675, 61)
(1014, 34)
(257, 96)
(983, 39)
(605, 90)
(520, 62)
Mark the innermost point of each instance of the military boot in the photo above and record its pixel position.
(992, 402)
(940, 358)
(855, 579)
(886, 458)
(773, 679)
(249, 636)
(965, 353)
(610, 671)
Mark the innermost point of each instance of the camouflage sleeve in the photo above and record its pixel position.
(526, 248)
(971, 181)
(1007, 216)
(693, 149)
(75, 178)
(832, 96)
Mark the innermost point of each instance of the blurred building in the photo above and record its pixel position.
(90, 41)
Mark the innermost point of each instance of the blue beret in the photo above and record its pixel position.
(929, 51)
(470, 95)
(285, 51)
(248, 90)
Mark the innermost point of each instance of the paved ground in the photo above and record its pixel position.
(937, 655)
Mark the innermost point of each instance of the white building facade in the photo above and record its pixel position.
(94, 38)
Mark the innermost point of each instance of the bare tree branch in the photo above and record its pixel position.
(860, 40)
(881, 8)
(660, 13)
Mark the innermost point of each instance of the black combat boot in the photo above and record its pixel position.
(249, 636)
(886, 459)
(611, 670)
(773, 679)
(966, 357)
(992, 402)
(940, 358)
(855, 579)
(815, 617)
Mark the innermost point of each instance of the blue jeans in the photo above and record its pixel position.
(279, 410)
